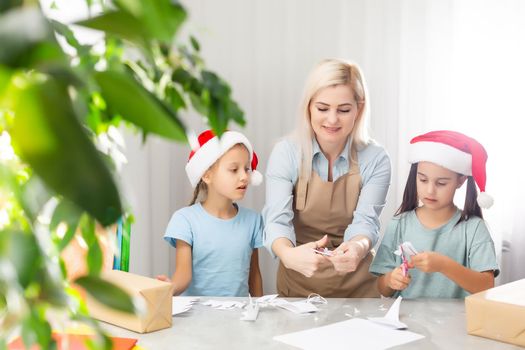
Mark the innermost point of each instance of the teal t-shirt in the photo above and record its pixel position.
(221, 248)
(468, 242)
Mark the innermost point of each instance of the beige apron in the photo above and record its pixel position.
(322, 207)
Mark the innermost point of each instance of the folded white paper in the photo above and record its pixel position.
(182, 304)
(298, 307)
(224, 304)
(391, 319)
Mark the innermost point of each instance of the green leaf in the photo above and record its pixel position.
(235, 112)
(94, 256)
(48, 136)
(217, 87)
(27, 40)
(194, 43)
(126, 97)
(21, 249)
(198, 104)
(68, 213)
(175, 98)
(160, 18)
(107, 293)
(36, 329)
(51, 285)
(5, 77)
(34, 195)
(83, 51)
(95, 259)
(120, 24)
(182, 76)
(6, 5)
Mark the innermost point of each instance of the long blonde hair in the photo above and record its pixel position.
(331, 72)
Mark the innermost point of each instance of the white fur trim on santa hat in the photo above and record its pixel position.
(485, 201)
(211, 151)
(441, 154)
(256, 178)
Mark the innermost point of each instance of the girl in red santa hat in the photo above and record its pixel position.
(216, 240)
(451, 253)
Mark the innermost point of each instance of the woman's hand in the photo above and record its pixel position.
(349, 254)
(303, 259)
(396, 280)
(428, 262)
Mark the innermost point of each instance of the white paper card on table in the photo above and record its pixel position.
(391, 319)
(182, 304)
(357, 333)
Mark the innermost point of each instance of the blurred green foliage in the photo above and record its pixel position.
(58, 112)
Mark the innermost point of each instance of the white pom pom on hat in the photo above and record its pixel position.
(207, 148)
(457, 152)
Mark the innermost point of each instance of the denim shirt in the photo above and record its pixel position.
(282, 173)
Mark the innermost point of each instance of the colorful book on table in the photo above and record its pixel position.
(76, 342)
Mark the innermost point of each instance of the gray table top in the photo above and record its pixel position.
(441, 321)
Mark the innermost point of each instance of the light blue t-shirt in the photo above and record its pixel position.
(468, 243)
(221, 248)
(282, 173)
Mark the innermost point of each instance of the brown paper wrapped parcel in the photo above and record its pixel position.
(157, 300)
(498, 313)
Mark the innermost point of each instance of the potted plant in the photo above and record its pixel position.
(59, 113)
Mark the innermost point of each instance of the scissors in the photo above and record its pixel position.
(323, 251)
(404, 265)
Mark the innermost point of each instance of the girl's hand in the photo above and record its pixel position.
(396, 280)
(427, 261)
(163, 278)
(347, 256)
(304, 260)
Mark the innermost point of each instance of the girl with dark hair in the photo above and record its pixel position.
(456, 253)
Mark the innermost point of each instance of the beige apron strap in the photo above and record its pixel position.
(353, 165)
(300, 197)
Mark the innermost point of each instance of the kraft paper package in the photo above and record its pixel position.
(157, 299)
(498, 313)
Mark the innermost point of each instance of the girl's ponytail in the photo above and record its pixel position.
(410, 200)
(200, 188)
(471, 207)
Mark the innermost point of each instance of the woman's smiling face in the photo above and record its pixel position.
(333, 112)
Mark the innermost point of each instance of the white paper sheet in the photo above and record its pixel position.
(182, 304)
(355, 333)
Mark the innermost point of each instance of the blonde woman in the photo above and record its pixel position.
(326, 187)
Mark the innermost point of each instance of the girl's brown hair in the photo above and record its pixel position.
(200, 189)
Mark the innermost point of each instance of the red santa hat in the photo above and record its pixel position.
(207, 148)
(454, 151)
